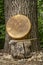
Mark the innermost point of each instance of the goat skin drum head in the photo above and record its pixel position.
(18, 26)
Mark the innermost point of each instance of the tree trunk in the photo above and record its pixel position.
(25, 7)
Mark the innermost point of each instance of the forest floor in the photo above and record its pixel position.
(35, 59)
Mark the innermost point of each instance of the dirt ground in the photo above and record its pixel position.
(35, 59)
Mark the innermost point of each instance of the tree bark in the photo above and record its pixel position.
(25, 7)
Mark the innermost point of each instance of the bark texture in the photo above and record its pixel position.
(25, 7)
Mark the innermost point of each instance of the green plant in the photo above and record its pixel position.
(40, 21)
(2, 20)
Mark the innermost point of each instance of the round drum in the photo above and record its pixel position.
(18, 26)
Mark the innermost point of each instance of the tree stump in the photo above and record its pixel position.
(27, 8)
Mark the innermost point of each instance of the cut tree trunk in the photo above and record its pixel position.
(27, 8)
